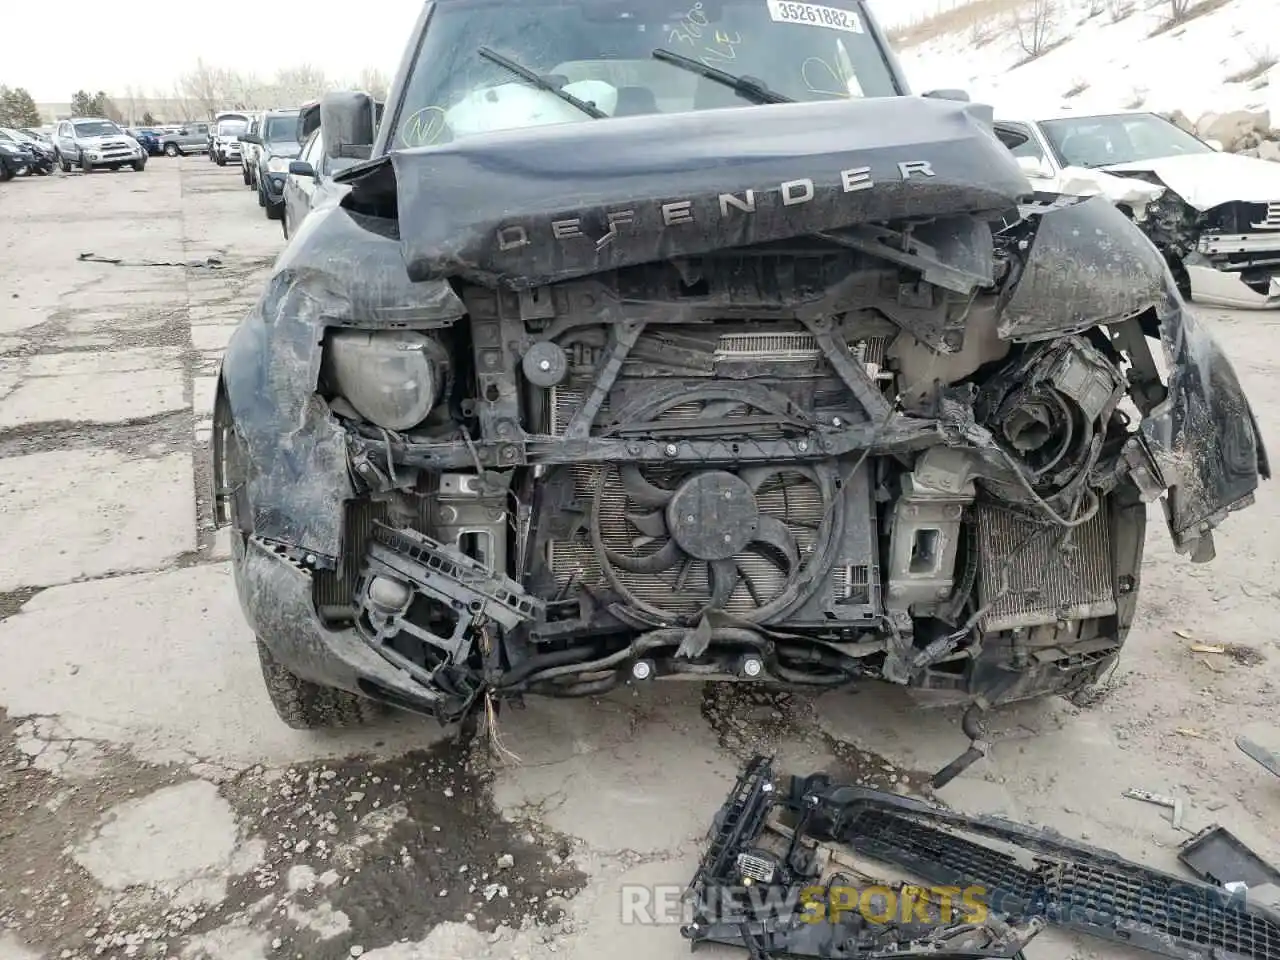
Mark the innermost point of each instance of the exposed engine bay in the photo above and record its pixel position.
(885, 435)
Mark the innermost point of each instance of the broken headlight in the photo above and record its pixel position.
(392, 378)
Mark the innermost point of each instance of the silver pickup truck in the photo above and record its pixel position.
(189, 138)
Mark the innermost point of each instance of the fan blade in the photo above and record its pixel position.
(757, 477)
(664, 559)
(724, 577)
(650, 524)
(640, 490)
(721, 409)
(774, 533)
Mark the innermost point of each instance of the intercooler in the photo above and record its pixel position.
(333, 590)
(1034, 572)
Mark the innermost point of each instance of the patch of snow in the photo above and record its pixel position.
(1184, 68)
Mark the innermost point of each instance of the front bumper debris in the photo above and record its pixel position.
(777, 845)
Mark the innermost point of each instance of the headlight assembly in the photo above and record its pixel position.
(392, 378)
(278, 164)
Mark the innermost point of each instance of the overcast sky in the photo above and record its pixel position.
(57, 48)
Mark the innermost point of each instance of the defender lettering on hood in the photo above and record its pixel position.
(790, 193)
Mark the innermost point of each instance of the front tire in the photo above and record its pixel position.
(85, 165)
(139, 165)
(304, 705)
(63, 163)
(170, 149)
(275, 211)
(222, 160)
(244, 173)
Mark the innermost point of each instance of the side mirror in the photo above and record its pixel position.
(302, 169)
(347, 118)
(250, 138)
(949, 94)
(1215, 144)
(1035, 167)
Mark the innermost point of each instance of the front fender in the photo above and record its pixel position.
(345, 271)
(1088, 264)
(1204, 436)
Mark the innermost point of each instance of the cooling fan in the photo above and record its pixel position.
(747, 541)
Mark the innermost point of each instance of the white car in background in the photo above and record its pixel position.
(1214, 215)
(227, 128)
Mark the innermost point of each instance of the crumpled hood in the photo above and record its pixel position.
(1085, 182)
(1208, 180)
(531, 206)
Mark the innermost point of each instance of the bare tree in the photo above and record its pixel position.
(373, 82)
(1178, 10)
(206, 85)
(1035, 24)
(1117, 10)
(298, 84)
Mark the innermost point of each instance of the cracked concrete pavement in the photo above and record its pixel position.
(152, 805)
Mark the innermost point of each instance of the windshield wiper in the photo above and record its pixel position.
(542, 83)
(747, 87)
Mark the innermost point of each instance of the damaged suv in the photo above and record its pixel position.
(1214, 215)
(658, 339)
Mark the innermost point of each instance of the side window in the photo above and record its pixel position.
(1032, 147)
(311, 152)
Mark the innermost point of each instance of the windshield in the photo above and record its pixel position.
(601, 51)
(282, 130)
(1099, 141)
(232, 128)
(96, 128)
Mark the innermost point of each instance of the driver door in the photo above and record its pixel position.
(299, 190)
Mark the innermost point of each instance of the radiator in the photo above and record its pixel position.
(1051, 573)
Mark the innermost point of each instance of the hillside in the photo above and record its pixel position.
(1100, 54)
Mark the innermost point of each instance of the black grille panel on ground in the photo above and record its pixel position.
(1125, 903)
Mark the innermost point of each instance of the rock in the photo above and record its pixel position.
(1180, 119)
(1237, 130)
(506, 862)
(357, 950)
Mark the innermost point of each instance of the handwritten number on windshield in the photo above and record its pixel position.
(720, 47)
(689, 29)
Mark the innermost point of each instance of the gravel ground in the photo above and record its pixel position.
(151, 804)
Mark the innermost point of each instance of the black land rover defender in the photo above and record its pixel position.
(659, 338)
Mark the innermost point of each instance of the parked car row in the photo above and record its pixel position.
(283, 160)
